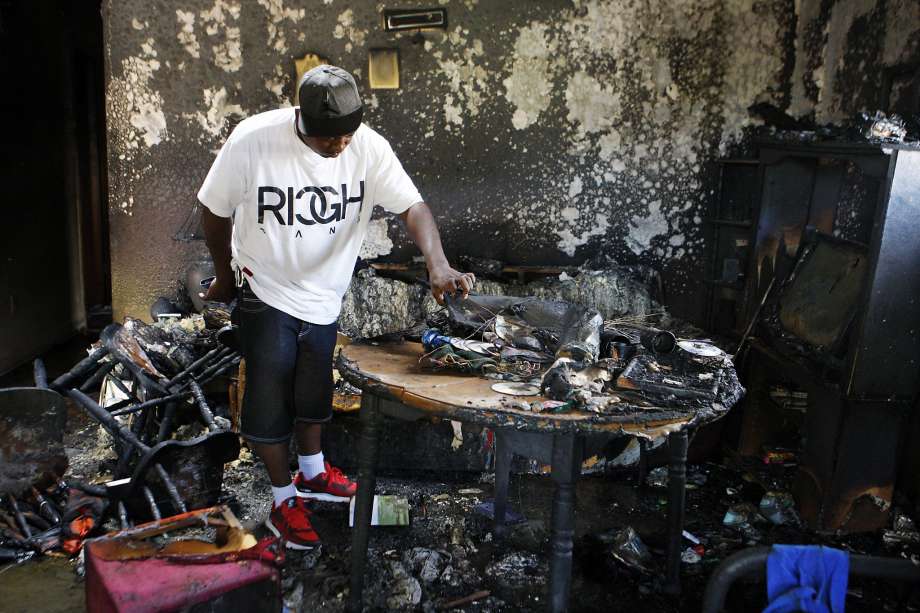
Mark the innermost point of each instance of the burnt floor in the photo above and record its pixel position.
(449, 550)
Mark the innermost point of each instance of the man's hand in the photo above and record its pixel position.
(217, 234)
(446, 280)
(221, 290)
(443, 279)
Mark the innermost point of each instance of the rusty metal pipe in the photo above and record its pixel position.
(123, 516)
(98, 376)
(114, 428)
(40, 373)
(45, 508)
(216, 353)
(154, 509)
(149, 404)
(82, 368)
(206, 413)
(20, 518)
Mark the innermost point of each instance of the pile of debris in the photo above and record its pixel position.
(568, 353)
(149, 385)
(382, 301)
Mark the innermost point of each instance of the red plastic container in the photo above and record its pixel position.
(153, 584)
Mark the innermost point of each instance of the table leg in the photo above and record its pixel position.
(566, 467)
(364, 500)
(643, 462)
(503, 456)
(677, 482)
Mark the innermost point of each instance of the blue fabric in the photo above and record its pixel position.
(806, 578)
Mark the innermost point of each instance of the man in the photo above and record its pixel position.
(300, 185)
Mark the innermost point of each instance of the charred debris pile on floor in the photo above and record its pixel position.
(170, 444)
(449, 553)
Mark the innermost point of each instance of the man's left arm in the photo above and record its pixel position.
(424, 232)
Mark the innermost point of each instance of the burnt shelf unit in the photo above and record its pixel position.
(730, 224)
(866, 195)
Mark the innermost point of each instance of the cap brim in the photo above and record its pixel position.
(330, 126)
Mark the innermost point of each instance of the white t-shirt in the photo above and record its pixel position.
(298, 218)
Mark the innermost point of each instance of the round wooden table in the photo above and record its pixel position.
(393, 384)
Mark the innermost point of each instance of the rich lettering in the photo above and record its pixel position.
(273, 208)
(318, 205)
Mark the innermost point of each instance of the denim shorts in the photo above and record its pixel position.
(288, 370)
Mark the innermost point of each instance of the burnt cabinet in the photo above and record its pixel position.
(862, 202)
(729, 226)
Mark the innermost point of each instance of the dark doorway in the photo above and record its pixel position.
(54, 262)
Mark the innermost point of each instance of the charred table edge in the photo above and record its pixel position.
(600, 424)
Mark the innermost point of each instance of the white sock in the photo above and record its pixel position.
(283, 493)
(311, 465)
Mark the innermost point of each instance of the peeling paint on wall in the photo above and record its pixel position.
(467, 80)
(277, 84)
(277, 39)
(378, 242)
(902, 24)
(841, 51)
(186, 34)
(345, 28)
(569, 242)
(529, 85)
(644, 228)
(227, 53)
(219, 109)
(134, 109)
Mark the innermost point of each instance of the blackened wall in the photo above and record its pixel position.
(540, 132)
(846, 53)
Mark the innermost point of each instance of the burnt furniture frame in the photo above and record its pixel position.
(866, 194)
(753, 563)
(391, 387)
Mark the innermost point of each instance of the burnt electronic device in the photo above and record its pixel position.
(811, 314)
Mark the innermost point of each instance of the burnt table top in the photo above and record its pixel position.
(391, 371)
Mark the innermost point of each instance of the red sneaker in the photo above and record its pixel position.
(332, 482)
(290, 521)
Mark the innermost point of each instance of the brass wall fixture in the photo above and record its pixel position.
(414, 19)
(383, 68)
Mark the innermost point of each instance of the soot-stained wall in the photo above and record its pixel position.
(843, 49)
(540, 132)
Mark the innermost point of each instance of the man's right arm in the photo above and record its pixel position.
(217, 235)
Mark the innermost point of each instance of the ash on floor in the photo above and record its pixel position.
(449, 551)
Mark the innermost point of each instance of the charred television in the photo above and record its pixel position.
(813, 311)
